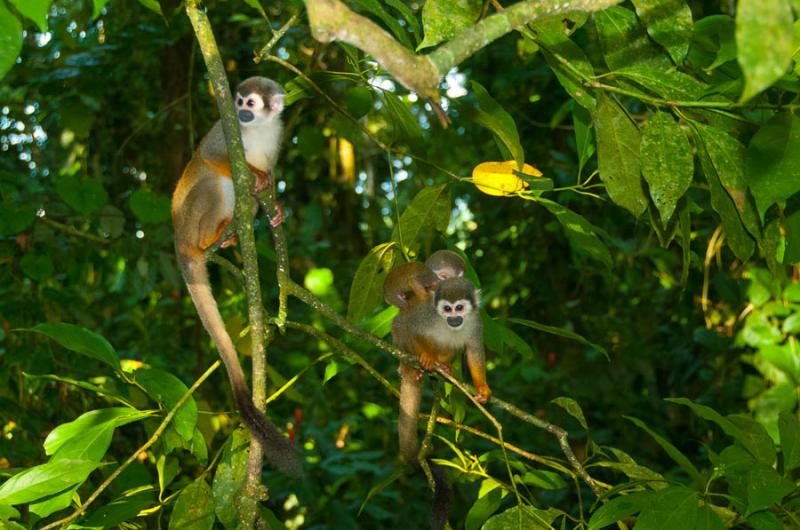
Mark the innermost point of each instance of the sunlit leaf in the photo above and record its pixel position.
(764, 40)
(666, 160)
(80, 340)
(528, 517)
(89, 436)
(10, 39)
(194, 508)
(498, 178)
(168, 390)
(444, 19)
(619, 508)
(35, 10)
(366, 291)
(124, 508)
(45, 479)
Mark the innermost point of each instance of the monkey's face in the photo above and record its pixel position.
(454, 312)
(254, 108)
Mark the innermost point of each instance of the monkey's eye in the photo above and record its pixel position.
(239, 102)
(459, 307)
(250, 103)
(447, 309)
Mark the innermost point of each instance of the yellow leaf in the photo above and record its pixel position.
(498, 178)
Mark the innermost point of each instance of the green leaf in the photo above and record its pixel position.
(672, 508)
(94, 389)
(89, 436)
(230, 476)
(167, 468)
(746, 431)
(764, 40)
(409, 16)
(618, 142)
(85, 196)
(36, 10)
(791, 325)
(381, 323)
(444, 19)
(541, 478)
(525, 517)
(568, 61)
(44, 480)
(792, 226)
(573, 409)
(495, 118)
(789, 427)
(667, 165)
(112, 221)
(168, 390)
(765, 520)
(366, 291)
(10, 39)
(430, 207)
(672, 451)
(80, 340)
(194, 508)
(737, 237)
(38, 267)
(669, 23)
(15, 218)
(619, 508)
(98, 6)
(666, 83)
(584, 139)
(707, 519)
(584, 238)
(624, 41)
(125, 508)
(765, 487)
(375, 7)
(310, 142)
(489, 499)
(404, 124)
(783, 357)
(149, 207)
(7, 512)
(561, 332)
(772, 162)
(358, 100)
(255, 4)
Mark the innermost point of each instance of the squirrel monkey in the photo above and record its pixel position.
(202, 207)
(415, 280)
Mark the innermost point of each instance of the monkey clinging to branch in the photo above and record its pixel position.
(202, 208)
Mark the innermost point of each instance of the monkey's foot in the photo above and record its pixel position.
(427, 361)
(263, 179)
(230, 242)
(278, 218)
(483, 395)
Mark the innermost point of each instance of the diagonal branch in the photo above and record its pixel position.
(332, 20)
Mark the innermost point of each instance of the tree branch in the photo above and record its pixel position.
(245, 209)
(331, 20)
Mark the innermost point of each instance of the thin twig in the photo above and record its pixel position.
(71, 230)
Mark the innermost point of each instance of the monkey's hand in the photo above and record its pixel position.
(278, 218)
(484, 392)
(263, 179)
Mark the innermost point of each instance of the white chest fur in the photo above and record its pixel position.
(262, 142)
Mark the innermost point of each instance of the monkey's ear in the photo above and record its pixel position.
(276, 103)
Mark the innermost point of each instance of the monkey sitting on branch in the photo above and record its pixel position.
(202, 208)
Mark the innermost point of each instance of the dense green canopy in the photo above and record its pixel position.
(640, 296)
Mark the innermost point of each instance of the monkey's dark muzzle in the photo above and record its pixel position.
(454, 322)
(245, 116)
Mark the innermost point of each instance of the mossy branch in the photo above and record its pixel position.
(332, 20)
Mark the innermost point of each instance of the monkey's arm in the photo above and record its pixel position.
(476, 361)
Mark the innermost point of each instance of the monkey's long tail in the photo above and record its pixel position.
(442, 496)
(277, 448)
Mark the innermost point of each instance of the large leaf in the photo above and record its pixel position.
(45, 480)
(567, 60)
(430, 207)
(149, 207)
(88, 436)
(366, 291)
(667, 165)
(672, 508)
(120, 510)
(495, 118)
(764, 40)
(230, 476)
(523, 517)
(789, 427)
(583, 236)
(194, 508)
(80, 340)
(665, 83)
(35, 10)
(444, 19)
(15, 218)
(86, 196)
(168, 390)
(624, 41)
(618, 142)
(10, 39)
(561, 332)
(773, 161)
(619, 508)
(669, 23)
(673, 452)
